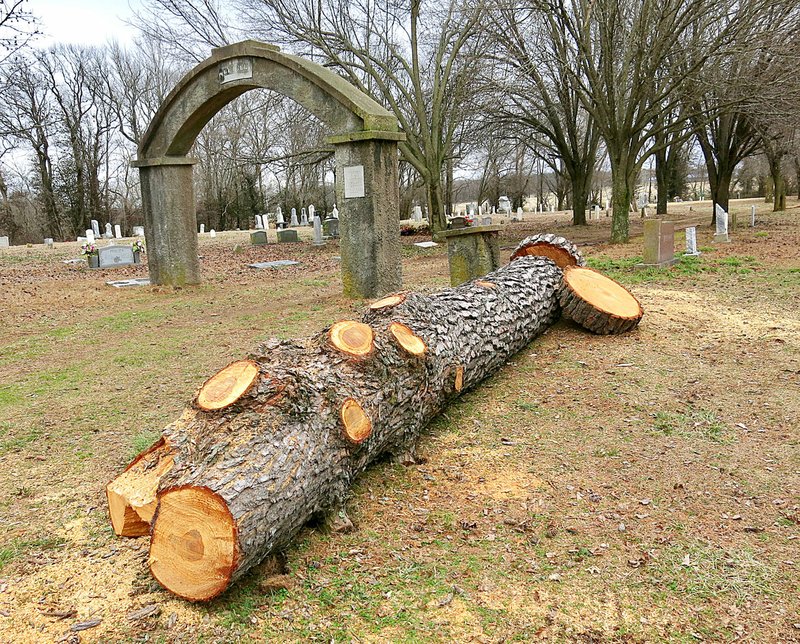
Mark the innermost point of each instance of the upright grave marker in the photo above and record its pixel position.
(691, 242)
(721, 235)
(659, 244)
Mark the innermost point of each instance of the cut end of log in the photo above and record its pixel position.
(132, 495)
(388, 302)
(561, 251)
(354, 338)
(228, 385)
(407, 339)
(459, 383)
(357, 425)
(485, 284)
(194, 546)
(597, 302)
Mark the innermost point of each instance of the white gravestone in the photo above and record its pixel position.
(519, 213)
(303, 217)
(110, 256)
(138, 231)
(294, 221)
(335, 212)
(752, 216)
(417, 216)
(691, 242)
(95, 228)
(202, 229)
(312, 212)
(722, 225)
(213, 233)
(279, 222)
(597, 212)
(318, 231)
(4, 242)
(117, 231)
(259, 223)
(48, 242)
(109, 231)
(89, 236)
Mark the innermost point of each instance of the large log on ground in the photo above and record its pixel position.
(255, 458)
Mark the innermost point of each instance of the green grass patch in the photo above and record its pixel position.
(706, 571)
(19, 547)
(701, 424)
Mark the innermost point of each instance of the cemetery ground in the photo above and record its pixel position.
(643, 487)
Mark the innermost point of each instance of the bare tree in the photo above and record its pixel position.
(18, 27)
(539, 94)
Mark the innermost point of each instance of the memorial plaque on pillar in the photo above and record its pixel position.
(354, 181)
(235, 69)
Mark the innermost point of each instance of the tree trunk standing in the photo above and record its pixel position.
(313, 414)
(662, 181)
(778, 182)
(621, 196)
(436, 213)
(720, 190)
(581, 185)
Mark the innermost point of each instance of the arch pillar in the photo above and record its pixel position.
(368, 197)
(170, 221)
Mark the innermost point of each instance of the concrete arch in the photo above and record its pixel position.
(365, 137)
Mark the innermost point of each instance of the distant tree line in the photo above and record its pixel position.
(565, 100)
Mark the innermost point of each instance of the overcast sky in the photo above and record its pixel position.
(86, 22)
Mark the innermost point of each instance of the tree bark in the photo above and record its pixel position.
(246, 475)
(621, 195)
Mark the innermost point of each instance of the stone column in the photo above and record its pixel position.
(367, 194)
(170, 220)
(471, 252)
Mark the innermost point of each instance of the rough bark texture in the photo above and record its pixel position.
(280, 455)
(597, 302)
(560, 250)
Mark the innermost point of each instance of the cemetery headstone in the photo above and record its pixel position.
(303, 217)
(117, 231)
(48, 242)
(335, 212)
(471, 252)
(486, 221)
(659, 243)
(202, 229)
(279, 221)
(212, 233)
(318, 232)
(691, 242)
(259, 222)
(258, 237)
(90, 237)
(111, 256)
(312, 212)
(427, 244)
(596, 210)
(278, 263)
(294, 221)
(287, 236)
(136, 281)
(109, 231)
(138, 231)
(458, 222)
(330, 228)
(95, 228)
(417, 213)
(752, 216)
(721, 235)
(4, 242)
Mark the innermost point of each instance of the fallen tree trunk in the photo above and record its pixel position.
(273, 440)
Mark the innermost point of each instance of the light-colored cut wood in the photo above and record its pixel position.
(485, 284)
(602, 292)
(354, 338)
(388, 301)
(193, 547)
(407, 339)
(357, 425)
(228, 385)
(459, 384)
